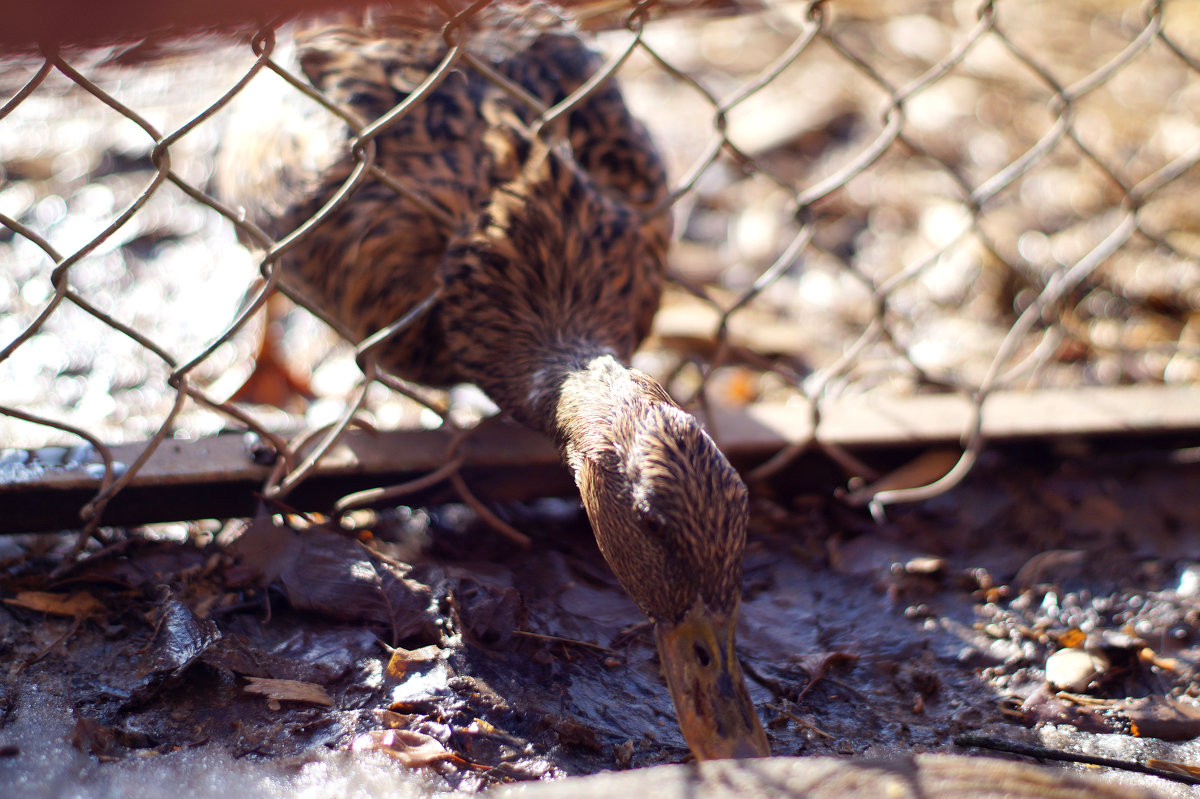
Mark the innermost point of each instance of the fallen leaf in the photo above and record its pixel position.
(818, 664)
(923, 470)
(289, 691)
(180, 637)
(412, 749)
(322, 571)
(403, 660)
(573, 732)
(489, 610)
(1073, 637)
(76, 605)
(1098, 513)
(395, 721)
(1173, 767)
(265, 549)
(91, 736)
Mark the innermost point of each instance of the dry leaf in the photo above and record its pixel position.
(403, 660)
(1173, 767)
(1073, 637)
(1098, 513)
(76, 605)
(412, 749)
(289, 691)
(923, 470)
(392, 720)
(180, 637)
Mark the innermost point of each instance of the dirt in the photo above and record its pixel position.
(860, 639)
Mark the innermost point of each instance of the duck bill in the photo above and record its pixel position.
(714, 709)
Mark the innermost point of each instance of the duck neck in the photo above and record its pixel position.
(596, 404)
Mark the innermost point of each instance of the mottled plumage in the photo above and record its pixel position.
(549, 259)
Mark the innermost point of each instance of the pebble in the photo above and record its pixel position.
(1075, 669)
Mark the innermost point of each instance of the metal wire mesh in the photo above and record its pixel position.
(894, 197)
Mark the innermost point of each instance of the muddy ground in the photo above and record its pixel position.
(860, 639)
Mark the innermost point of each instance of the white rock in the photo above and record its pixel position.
(1074, 669)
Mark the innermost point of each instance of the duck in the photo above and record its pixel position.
(531, 259)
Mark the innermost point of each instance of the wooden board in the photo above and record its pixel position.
(217, 477)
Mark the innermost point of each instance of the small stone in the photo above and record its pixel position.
(1075, 669)
(925, 565)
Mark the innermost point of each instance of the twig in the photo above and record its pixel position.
(485, 513)
(1042, 753)
(562, 640)
(800, 720)
(776, 687)
(76, 624)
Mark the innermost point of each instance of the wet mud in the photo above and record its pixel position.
(426, 637)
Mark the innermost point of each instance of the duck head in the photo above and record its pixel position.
(669, 513)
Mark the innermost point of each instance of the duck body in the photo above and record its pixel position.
(547, 261)
(489, 196)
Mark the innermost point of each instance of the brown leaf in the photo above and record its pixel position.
(1173, 767)
(322, 571)
(338, 577)
(926, 468)
(180, 637)
(265, 549)
(489, 610)
(1098, 513)
(79, 604)
(412, 749)
(289, 691)
(1072, 638)
(91, 736)
(403, 660)
(392, 720)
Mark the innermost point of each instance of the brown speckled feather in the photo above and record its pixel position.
(596, 269)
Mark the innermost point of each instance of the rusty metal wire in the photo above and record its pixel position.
(982, 199)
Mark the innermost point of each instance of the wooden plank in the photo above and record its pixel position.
(874, 421)
(904, 776)
(217, 477)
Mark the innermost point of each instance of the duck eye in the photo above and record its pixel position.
(654, 527)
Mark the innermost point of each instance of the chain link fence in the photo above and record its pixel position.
(870, 198)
